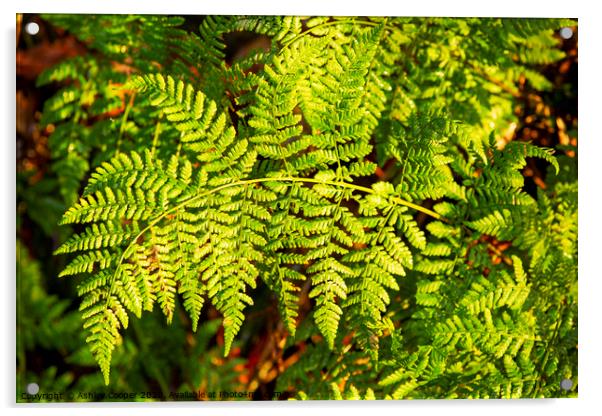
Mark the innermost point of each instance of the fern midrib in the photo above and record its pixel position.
(205, 194)
(124, 120)
(333, 23)
(365, 267)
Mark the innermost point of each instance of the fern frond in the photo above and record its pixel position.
(351, 164)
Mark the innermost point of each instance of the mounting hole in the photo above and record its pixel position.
(566, 33)
(32, 388)
(32, 28)
(566, 384)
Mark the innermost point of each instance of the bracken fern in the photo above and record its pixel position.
(352, 159)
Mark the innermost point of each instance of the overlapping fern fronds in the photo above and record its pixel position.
(157, 229)
(327, 164)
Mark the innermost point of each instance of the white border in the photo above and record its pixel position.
(590, 370)
(506, 8)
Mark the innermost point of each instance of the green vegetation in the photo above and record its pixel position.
(339, 208)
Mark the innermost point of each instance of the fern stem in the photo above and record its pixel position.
(548, 342)
(156, 135)
(205, 194)
(124, 120)
(347, 185)
(331, 23)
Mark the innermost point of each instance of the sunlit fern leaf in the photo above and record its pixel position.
(331, 164)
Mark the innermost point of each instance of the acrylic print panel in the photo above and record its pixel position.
(279, 207)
